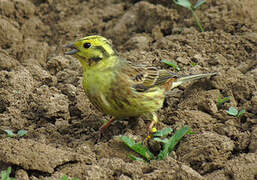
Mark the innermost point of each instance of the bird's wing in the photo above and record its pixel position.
(145, 77)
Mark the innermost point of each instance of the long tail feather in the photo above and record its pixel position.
(187, 78)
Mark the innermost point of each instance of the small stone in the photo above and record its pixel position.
(21, 175)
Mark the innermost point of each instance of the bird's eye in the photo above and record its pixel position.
(87, 45)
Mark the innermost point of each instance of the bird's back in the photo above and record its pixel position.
(117, 94)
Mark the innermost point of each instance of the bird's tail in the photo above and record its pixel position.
(187, 78)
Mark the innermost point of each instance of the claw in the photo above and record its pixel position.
(98, 134)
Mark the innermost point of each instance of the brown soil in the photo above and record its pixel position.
(40, 88)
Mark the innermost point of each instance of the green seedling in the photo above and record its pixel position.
(160, 136)
(65, 177)
(194, 64)
(172, 64)
(172, 142)
(240, 113)
(234, 112)
(105, 121)
(20, 133)
(10, 133)
(138, 147)
(187, 4)
(135, 158)
(163, 132)
(222, 101)
(5, 175)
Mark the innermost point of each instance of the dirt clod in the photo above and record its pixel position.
(37, 156)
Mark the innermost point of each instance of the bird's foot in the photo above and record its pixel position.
(98, 134)
(150, 131)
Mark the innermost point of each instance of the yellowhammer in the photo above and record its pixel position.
(119, 88)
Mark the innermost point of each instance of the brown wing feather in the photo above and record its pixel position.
(146, 77)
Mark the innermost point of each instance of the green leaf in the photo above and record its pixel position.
(199, 3)
(184, 3)
(22, 133)
(165, 140)
(134, 158)
(241, 113)
(190, 132)
(194, 64)
(137, 147)
(163, 132)
(105, 121)
(9, 133)
(222, 101)
(8, 171)
(232, 111)
(65, 177)
(169, 146)
(5, 175)
(172, 64)
(128, 141)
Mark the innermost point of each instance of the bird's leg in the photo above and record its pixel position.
(106, 125)
(151, 128)
(103, 127)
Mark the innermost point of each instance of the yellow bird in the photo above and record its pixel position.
(119, 88)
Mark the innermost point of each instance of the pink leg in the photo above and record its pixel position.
(150, 127)
(104, 127)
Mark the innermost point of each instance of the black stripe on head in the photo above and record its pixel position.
(102, 50)
(96, 59)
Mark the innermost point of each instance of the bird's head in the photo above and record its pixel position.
(91, 50)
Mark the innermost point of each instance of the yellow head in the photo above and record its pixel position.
(91, 50)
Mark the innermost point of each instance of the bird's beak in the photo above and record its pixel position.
(73, 51)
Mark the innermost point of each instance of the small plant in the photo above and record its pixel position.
(172, 64)
(187, 4)
(222, 100)
(168, 144)
(234, 112)
(65, 177)
(193, 64)
(5, 175)
(20, 133)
